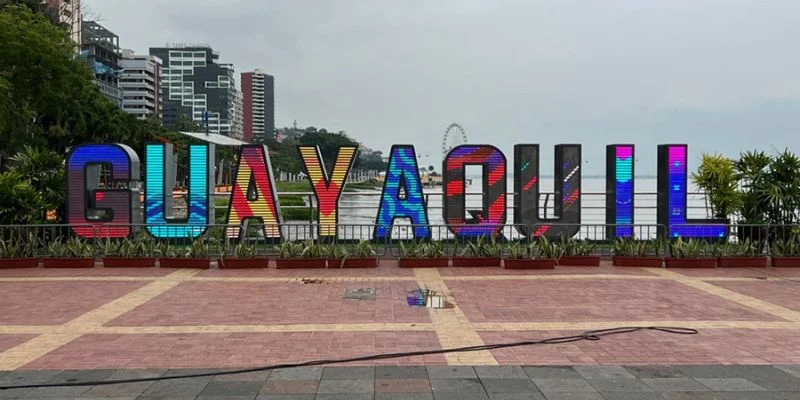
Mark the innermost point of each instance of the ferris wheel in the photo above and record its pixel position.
(453, 136)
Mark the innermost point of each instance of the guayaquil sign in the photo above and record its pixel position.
(254, 196)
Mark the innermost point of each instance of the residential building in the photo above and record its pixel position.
(238, 121)
(140, 82)
(258, 91)
(195, 83)
(68, 14)
(100, 49)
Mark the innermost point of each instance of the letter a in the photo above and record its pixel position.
(403, 172)
(253, 195)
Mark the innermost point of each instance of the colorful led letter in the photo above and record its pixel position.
(327, 190)
(567, 201)
(402, 172)
(253, 195)
(84, 197)
(619, 190)
(158, 191)
(491, 218)
(671, 202)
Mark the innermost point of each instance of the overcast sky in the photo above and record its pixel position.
(720, 75)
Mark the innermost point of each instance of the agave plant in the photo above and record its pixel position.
(74, 247)
(244, 250)
(290, 250)
(364, 249)
(198, 249)
(745, 248)
(631, 247)
(789, 247)
(577, 248)
(423, 249)
(545, 249)
(482, 247)
(17, 247)
(691, 248)
(518, 251)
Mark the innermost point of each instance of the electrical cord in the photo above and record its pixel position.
(588, 335)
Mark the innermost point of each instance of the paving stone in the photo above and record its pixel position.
(768, 377)
(574, 396)
(730, 384)
(629, 395)
(392, 372)
(620, 385)
(655, 371)
(347, 396)
(690, 396)
(603, 372)
(110, 398)
(13, 393)
(708, 371)
(402, 386)
(759, 395)
(255, 376)
(501, 372)
(232, 388)
(296, 374)
(289, 387)
(451, 372)
(27, 377)
(674, 384)
(460, 396)
(457, 385)
(558, 372)
(64, 392)
(547, 385)
(286, 397)
(124, 389)
(403, 396)
(793, 370)
(509, 385)
(516, 396)
(348, 373)
(166, 398)
(177, 387)
(336, 386)
(82, 376)
(201, 397)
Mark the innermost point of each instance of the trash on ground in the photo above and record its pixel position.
(426, 298)
(313, 281)
(360, 294)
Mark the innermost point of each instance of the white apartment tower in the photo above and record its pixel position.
(140, 82)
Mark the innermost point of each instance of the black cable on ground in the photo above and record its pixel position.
(588, 335)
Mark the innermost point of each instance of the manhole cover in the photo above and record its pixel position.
(360, 294)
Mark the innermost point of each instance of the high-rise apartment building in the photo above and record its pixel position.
(68, 14)
(238, 117)
(140, 81)
(100, 49)
(195, 83)
(258, 98)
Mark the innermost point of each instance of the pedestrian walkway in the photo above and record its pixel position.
(103, 318)
(432, 383)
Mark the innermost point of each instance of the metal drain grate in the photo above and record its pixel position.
(360, 294)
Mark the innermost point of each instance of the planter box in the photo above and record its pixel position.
(196, 263)
(438, 262)
(129, 262)
(743, 262)
(289, 263)
(538, 263)
(477, 261)
(354, 262)
(242, 263)
(634, 261)
(19, 263)
(786, 262)
(68, 262)
(691, 262)
(581, 261)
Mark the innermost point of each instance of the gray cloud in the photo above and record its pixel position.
(715, 74)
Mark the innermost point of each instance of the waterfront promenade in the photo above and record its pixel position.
(118, 323)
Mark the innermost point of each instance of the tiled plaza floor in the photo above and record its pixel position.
(124, 320)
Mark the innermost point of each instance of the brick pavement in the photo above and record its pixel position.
(155, 318)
